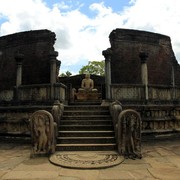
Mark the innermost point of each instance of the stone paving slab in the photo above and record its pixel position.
(40, 164)
(163, 151)
(2, 173)
(159, 163)
(165, 173)
(81, 174)
(115, 175)
(161, 160)
(125, 166)
(31, 175)
(124, 174)
(174, 160)
(176, 150)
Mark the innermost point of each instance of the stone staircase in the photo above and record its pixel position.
(86, 128)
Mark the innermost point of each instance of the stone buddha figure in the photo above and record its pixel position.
(87, 85)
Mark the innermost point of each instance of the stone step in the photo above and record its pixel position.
(86, 117)
(85, 140)
(85, 112)
(86, 122)
(89, 102)
(85, 127)
(86, 133)
(86, 147)
(86, 107)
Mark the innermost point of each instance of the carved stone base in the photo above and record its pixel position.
(87, 95)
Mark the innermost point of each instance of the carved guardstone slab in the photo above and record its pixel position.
(43, 133)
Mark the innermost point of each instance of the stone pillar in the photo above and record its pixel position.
(173, 77)
(53, 71)
(144, 72)
(58, 65)
(19, 58)
(107, 54)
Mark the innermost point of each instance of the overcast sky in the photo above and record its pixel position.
(82, 27)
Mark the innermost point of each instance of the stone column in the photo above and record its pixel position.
(173, 77)
(19, 58)
(107, 54)
(144, 72)
(58, 65)
(53, 71)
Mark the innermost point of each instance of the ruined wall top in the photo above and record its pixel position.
(138, 36)
(126, 44)
(35, 46)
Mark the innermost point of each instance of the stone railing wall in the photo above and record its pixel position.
(33, 94)
(158, 119)
(60, 92)
(164, 93)
(135, 93)
(127, 92)
(6, 95)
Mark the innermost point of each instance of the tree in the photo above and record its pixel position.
(94, 67)
(66, 74)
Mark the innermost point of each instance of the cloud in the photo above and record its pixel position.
(82, 38)
(160, 16)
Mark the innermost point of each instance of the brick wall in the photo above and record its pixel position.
(126, 66)
(35, 45)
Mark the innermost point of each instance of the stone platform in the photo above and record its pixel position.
(161, 160)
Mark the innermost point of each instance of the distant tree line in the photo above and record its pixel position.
(93, 67)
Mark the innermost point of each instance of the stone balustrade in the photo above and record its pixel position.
(156, 93)
(39, 93)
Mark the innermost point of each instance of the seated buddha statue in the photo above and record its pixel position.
(87, 84)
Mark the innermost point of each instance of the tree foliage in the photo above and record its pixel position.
(94, 67)
(66, 74)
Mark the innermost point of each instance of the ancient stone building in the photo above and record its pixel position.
(126, 44)
(28, 78)
(35, 47)
(28, 67)
(142, 66)
(141, 73)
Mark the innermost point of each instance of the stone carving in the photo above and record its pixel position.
(127, 126)
(57, 111)
(115, 109)
(162, 120)
(43, 130)
(86, 160)
(87, 90)
(129, 134)
(87, 84)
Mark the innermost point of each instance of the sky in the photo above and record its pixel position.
(82, 27)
